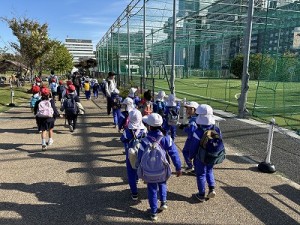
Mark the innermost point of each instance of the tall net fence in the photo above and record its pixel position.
(208, 53)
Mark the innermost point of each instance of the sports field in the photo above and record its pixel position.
(265, 99)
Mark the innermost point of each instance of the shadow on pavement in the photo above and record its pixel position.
(262, 209)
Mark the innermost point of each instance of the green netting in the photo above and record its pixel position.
(209, 35)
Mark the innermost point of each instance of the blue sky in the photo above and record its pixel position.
(84, 19)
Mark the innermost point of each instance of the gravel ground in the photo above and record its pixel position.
(81, 178)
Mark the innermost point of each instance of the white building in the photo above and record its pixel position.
(80, 48)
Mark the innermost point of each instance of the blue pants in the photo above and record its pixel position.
(204, 173)
(116, 115)
(186, 156)
(152, 194)
(87, 95)
(96, 93)
(131, 175)
(170, 129)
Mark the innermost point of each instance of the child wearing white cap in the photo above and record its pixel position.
(132, 95)
(189, 129)
(135, 130)
(123, 119)
(155, 133)
(204, 172)
(171, 107)
(159, 104)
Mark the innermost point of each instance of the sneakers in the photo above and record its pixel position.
(153, 217)
(192, 172)
(50, 142)
(188, 169)
(71, 128)
(44, 147)
(163, 206)
(211, 193)
(134, 197)
(201, 198)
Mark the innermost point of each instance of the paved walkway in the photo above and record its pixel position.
(81, 179)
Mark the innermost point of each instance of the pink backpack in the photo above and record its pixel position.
(45, 109)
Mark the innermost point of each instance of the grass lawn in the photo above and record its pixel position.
(271, 99)
(20, 96)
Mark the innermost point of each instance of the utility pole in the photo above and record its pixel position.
(242, 100)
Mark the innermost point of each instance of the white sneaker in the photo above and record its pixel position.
(44, 147)
(71, 128)
(211, 194)
(50, 142)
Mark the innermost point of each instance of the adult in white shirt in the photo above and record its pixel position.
(110, 87)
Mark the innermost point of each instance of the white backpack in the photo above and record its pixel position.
(45, 109)
(154, 166)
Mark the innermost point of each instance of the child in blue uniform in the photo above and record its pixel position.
(204, 173)
(123, 119)
(132, 95)
(136, 129)
(170, 105)
(154, 122)
(159, 104)
(189, 129)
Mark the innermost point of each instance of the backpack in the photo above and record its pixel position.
(154, 166)
(45, 109)
(147, 108)
(76, 81)
(53, 87)
(70, 106)
(211, 150)
(173, 116)
(102, 87)
(116, 104)
(33, 100)
(95, 87)
(133, 151)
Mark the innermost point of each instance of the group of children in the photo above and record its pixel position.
(149, 133)
(44, 106)
(147, 124)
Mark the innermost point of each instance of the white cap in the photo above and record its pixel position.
(135, 120)
(205, 115)
(132, 92)
(191, 105)
(171, 100)
(153, 120)
(129, 103)
(160, 95)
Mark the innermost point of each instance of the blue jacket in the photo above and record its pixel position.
(197, 135)
(122, 119)
(192, 126)
(166, 143)
(136, 100)
(127, 137)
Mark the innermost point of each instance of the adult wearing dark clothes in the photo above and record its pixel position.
(77, 82)
(46, 124)
(70, 107)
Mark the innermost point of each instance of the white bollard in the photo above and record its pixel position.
(267, 166)
(12, 94)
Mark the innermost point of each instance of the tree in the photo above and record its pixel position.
(57, 59)
(260, 66)
(33, 40)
